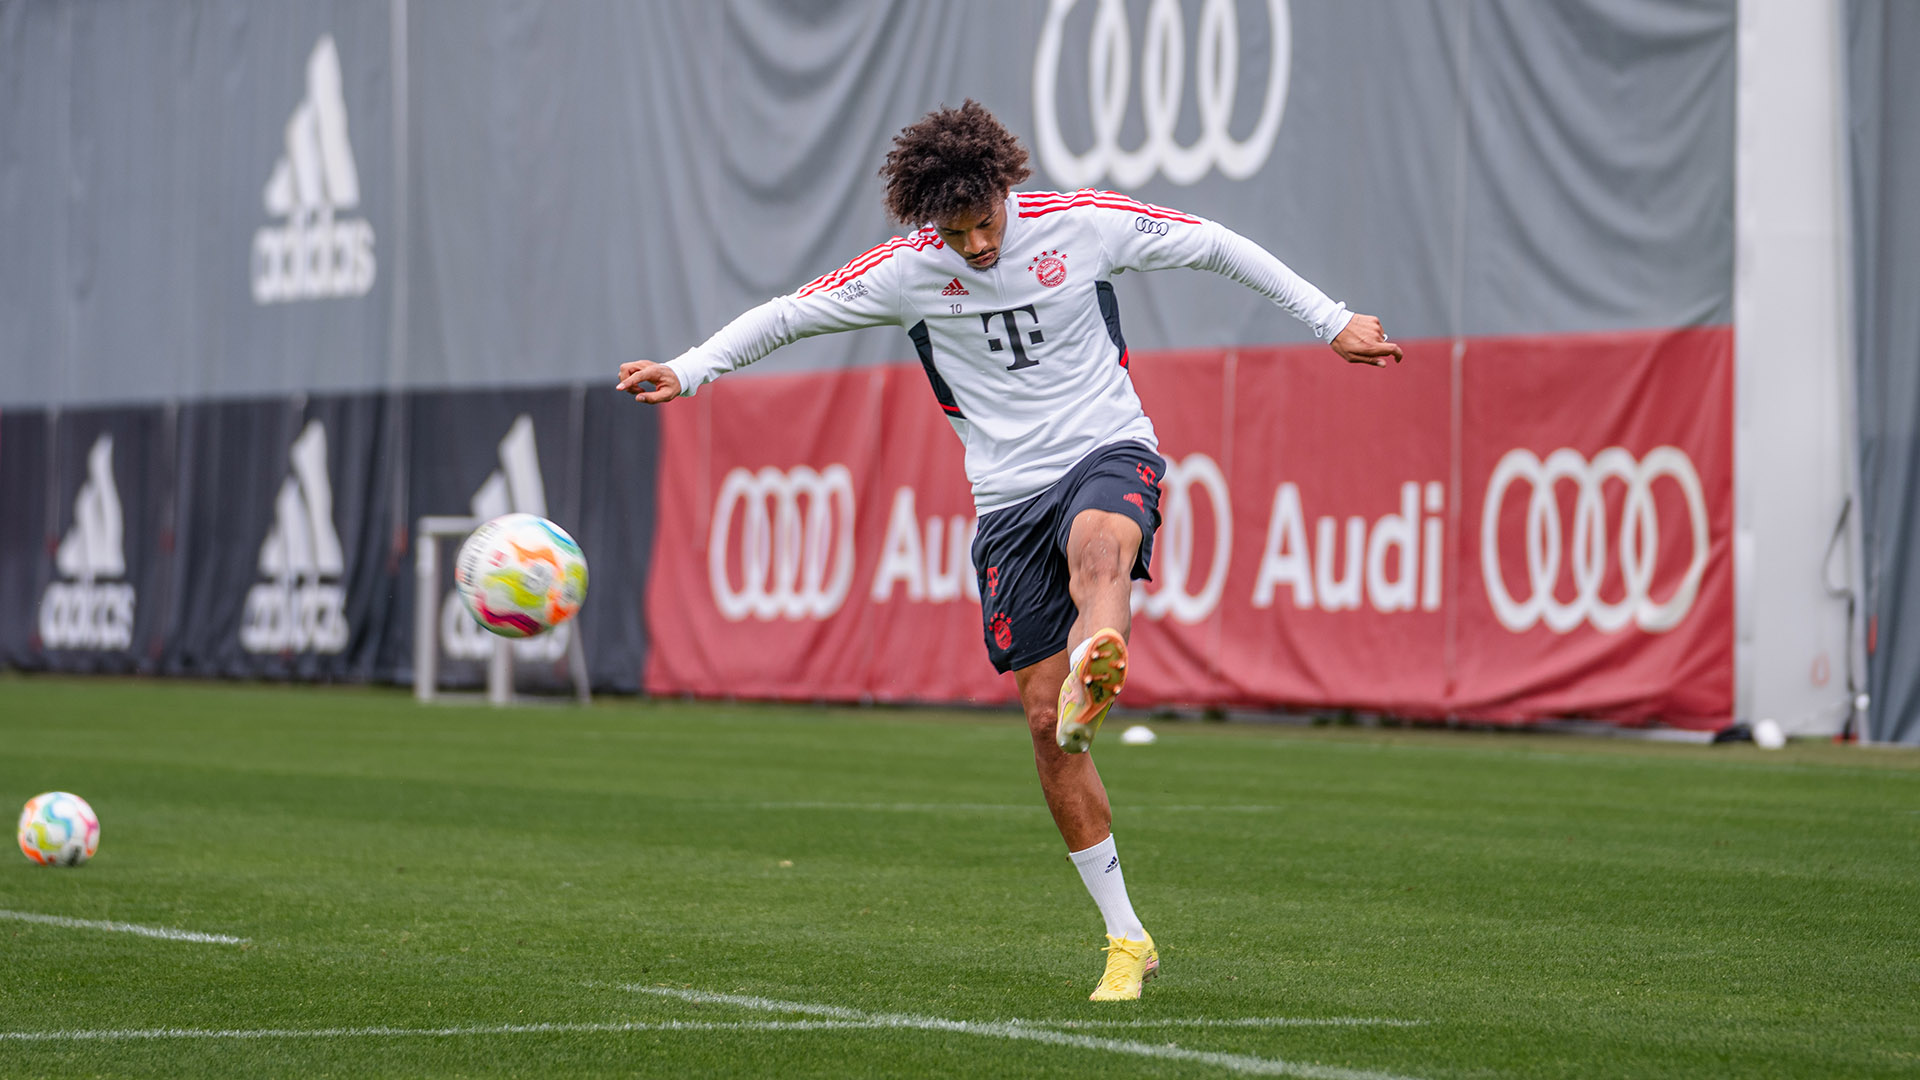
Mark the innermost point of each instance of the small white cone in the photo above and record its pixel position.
(1138, 735)
(1767, 735)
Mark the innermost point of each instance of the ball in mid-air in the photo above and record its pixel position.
(59, 829)
(521, 575)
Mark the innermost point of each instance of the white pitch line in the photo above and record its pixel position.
(1001, 1029)
(122, 928)
(447, 1032)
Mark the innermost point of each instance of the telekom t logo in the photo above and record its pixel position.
(994, 344)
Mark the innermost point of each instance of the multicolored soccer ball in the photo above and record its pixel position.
(521, 575)
(59, 829)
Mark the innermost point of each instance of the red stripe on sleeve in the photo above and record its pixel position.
(869, 259)
(1042, 203)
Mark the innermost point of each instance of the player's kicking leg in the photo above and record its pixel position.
(1101, 547)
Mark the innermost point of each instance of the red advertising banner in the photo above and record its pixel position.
(812, 544)
(1524, 528)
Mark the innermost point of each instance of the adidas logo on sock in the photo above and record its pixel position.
(954, 288)
(1112, 865)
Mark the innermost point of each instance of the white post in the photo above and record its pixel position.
(1793, 438)
(500, 673)
(426, 581)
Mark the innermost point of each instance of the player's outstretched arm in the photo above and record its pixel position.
(634, 373)
(1364, 342)
(859, 294)
(1178, 239)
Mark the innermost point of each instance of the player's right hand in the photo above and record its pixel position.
(1365, 342)
(666, 384)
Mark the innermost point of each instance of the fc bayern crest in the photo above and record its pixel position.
(1049, 267)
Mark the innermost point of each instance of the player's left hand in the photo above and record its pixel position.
(666, 385)
(1364, 342)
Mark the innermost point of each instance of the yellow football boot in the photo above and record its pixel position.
(1089, 689)
(1129, 965)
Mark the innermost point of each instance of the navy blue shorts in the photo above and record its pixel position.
(1020, 551)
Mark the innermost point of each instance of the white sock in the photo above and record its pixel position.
(1078, 654)
(1099, 868)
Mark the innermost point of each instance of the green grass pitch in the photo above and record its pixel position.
(881, 894)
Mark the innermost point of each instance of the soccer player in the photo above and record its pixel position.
(1006, 298)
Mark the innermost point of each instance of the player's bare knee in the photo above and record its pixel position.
(1040, 723)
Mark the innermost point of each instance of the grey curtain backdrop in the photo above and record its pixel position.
(225, 221)
(1884, 145)
(554, 188)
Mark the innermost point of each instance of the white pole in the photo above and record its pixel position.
(426, 581)
(500, 673)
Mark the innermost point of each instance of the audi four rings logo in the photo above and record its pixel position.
(1585, 544)
(796, 542)
(1163, 58)
(1149, 225)
(1175, 596)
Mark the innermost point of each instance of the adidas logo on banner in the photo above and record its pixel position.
(312, 256)
(85, 612)
(954, 288)
(302, 605)
(514, 487)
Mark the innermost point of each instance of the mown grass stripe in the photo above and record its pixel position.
(1228, 1022)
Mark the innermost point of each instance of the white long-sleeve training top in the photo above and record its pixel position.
(1026, 357)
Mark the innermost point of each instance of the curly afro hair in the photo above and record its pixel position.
(952, 161)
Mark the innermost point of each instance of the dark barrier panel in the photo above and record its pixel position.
(484, 453)
(272, 538)
(24, 527)
(619, 479)
(95, 588)
(286, 542)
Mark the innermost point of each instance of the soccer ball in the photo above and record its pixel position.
(520, 575)
(58, 829)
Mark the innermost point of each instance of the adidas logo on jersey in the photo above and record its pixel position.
(302, 605)
(313, 256)
(954, 288)
(514, 487)
(85, 612)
